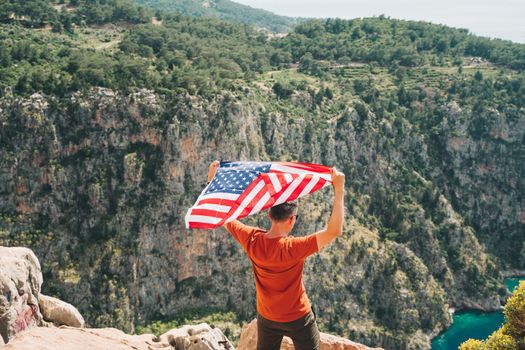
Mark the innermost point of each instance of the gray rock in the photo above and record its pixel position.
(60, 312)
(199, 337)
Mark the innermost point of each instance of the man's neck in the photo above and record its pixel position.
(276, 231)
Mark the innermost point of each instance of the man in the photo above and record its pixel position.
(278, 260)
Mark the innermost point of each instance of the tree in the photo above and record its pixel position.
(281, 90)
(67, 22)
(5, 55)
(328, 93)
(357, 33)
(361, 110)
(478, 75)
(307, 61)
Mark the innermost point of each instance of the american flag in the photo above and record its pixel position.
(240, 189)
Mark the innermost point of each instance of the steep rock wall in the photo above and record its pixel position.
(98, 185)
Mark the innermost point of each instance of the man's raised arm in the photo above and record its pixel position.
(335, 224)
(212, 169)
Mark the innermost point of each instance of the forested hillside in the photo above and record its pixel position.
(226, 10)
(110, 115)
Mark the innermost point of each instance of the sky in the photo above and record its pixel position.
(503, 19)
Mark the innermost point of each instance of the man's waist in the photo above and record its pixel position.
(280, 313)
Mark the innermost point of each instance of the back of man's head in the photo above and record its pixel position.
(283, 211)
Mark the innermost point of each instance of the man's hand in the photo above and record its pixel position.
(213, 169)
(338, 179)
(335, 223)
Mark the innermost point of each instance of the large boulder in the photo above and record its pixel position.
(248, 341)
(22, 306)
(199, 337)
(60, 312)
(20, 282)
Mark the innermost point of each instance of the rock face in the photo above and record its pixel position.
(42, 338)
(98, 183)
(248, 341)
(22, 306)
(20, 282)
(199, 337)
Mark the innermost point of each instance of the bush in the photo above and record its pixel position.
(515, 313)
(281, 90)
(500, 341)
(473, 344)
(511, 336)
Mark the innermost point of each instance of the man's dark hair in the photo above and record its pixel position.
(283, 211)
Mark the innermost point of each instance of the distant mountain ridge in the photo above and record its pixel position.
(224, 9)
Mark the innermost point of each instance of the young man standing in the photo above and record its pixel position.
(283, 309)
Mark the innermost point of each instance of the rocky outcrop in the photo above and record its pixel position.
(20, 282)
(43, 338)
(22, 306)
(248, 341)
(199, 337)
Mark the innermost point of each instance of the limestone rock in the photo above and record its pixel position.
(60, 312)
(199, 337)
(43, 338)
(248, 341)
(20, 282)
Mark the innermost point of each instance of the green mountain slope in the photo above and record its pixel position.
(109, 119)
(226, 10)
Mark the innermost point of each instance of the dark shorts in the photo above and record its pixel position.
(303, 332)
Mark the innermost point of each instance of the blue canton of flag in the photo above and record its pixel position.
(235, 177)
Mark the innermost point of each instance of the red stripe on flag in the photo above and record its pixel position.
(248, 208)
(317, 168)
(282, 180)
(300, 188)
(208, 212)
(195, 224)
(319, 185)
(270, 202)
(218, 201)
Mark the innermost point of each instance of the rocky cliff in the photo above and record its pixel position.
(97, 184)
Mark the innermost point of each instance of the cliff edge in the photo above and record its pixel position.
(30, 320)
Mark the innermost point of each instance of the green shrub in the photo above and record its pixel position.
(511, 336)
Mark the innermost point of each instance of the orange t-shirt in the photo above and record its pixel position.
(278, 270)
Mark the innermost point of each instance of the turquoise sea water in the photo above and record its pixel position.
(512, 283)
(472, 324)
